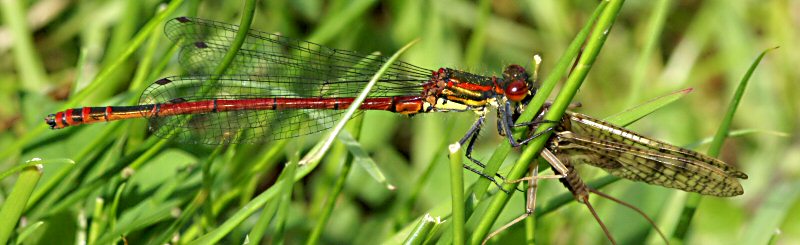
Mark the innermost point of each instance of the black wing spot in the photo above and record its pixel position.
(163, 81)
(177, 100)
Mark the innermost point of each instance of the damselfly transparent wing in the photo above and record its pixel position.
(204, 43)
(626, 154)
(267, 65)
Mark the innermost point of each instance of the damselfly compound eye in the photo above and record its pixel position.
(517, 90)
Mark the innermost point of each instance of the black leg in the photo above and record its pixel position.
(473, 131)
(471, 136)
(507, 121)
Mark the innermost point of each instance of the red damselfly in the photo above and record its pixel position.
(278, 87)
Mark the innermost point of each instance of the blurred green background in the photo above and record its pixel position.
(50, 50)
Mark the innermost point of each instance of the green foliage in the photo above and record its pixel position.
(108, 182)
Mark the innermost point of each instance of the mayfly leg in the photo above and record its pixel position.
(578, 188)
(566, 173)
(581, 191)
(530, 203)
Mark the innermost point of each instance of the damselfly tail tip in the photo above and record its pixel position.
(51, 121)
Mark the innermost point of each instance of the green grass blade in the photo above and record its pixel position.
(143, 215)
(136, 42)
(186, 213)
(144, 67)
(423, 229)
(246, 20)
(20, 167)
(354, 127)
(725, 126)
(457, 193)
(635, 113)
(272, 211)
(477, 41)
(78, 65)
(685, 220)
(27, 231)
(772, 214)
(341, 20)
(17, 199)
(654, 28)
(208, 179)
(313, 158)
(403, 216)
(739, 133)
(283, 205)
(115, 205)
(99, 221)
(363, 159)
(30, 66)
(66, 175)
(253, 206)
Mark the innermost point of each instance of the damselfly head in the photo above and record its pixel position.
(516, 81)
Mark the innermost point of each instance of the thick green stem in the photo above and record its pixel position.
(592, 49)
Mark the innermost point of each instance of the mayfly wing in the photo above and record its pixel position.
(629, 155)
